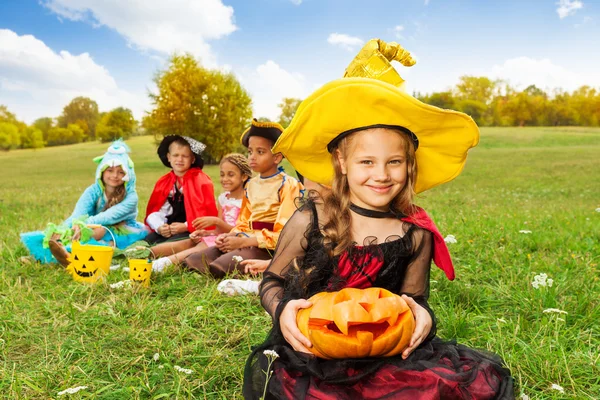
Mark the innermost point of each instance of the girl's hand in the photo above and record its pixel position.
(289, 326)
(164, 230)
(197, 235)
(76, 233)
(178, 227)
(255, 266)
(205, 222)
(423, 325)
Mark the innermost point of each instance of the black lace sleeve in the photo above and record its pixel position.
(291, 247)
(416, 279)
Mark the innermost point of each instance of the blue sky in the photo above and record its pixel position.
(109, 50)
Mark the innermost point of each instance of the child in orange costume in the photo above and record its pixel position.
(266, 207)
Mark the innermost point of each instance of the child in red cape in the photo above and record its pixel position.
(183, 194)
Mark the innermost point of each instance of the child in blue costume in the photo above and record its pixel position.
(105, 214)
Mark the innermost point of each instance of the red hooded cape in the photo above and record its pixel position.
(441, 255)
(198, 195)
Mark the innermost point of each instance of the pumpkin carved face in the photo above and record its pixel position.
(89, 263)
(357, 323)
(140, 271)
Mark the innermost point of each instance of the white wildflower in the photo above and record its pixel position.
(72, 390)
(598, 209)
(554, 310)
(271, 353)
(161, 366)
(237, 258)
(120, 285)
(199, 308)
(525, 231)
(125, 269)
(557, 387)
(115, 267)
(524, 396)
(450, 239)
(156, 356)
(184, 370)
(542, 280)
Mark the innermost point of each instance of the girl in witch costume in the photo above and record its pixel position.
(105, 214)
(384, 146)
(181, 196)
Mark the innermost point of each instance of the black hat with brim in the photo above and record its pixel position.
(267, 130)
(196, 147)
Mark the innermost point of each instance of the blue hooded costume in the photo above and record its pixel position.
(119, 220)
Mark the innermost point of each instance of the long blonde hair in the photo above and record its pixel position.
(337, 230)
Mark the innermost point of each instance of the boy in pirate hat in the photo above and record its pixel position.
(267, 205)
(183, 194)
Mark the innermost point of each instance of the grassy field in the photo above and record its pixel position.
(57, 334)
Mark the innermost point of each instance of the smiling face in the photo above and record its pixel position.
(180, 157)
(260, 157)
(113, 177)
(231, 176)
(376, 167)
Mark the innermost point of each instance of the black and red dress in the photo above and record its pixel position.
(301, 267)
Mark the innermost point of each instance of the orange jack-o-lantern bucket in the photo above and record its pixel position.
(140, 271)
(357, 323)
(89, 263)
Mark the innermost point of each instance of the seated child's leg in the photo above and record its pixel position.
(155, 238)
(226, 264)
(199, 262)
(170, 248)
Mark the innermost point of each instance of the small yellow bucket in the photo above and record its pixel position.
(89, 263)
(140, 271)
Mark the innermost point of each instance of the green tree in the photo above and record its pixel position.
(115, 124)
(288, 109)
(83, 112)
(32, 138)
(9, 136)
(208, 105)
(71, 134)
(44, 125)
(442, 100)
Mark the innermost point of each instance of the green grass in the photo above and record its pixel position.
(56, 333)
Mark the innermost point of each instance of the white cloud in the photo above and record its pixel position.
(587, 19)
(268, 84)
(524, 71)
(156, 25)
(296, 2)
(37, 82)
(398, 29)
(426, 2)
(347, 42)
(568, 7)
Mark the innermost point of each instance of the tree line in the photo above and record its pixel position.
(496, 103)
(213, 107)
(79, 122)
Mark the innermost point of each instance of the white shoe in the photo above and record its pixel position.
(234, 287)
(159, 265)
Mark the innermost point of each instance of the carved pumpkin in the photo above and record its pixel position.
(89, 263)
(140, 271)
(356, 323)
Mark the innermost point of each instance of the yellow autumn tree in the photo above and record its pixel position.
(208, 105)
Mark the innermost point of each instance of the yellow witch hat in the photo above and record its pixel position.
(370, 95)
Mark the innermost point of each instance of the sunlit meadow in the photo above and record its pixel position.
(525, 216)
